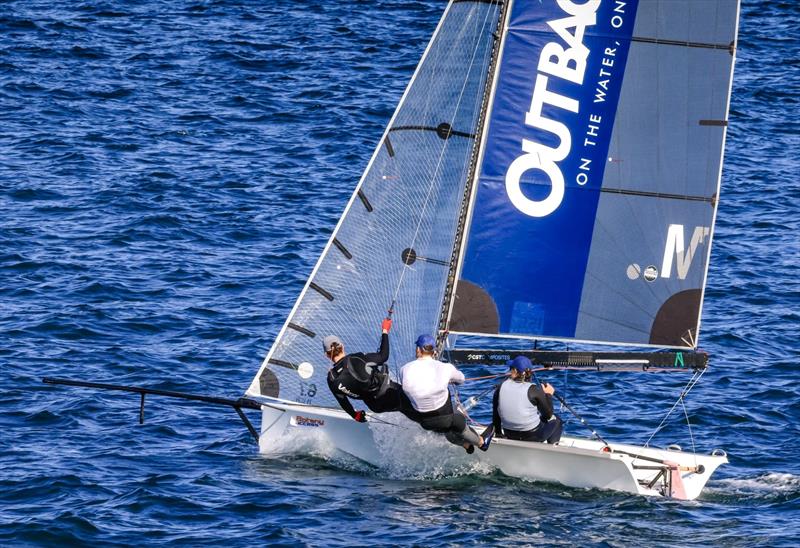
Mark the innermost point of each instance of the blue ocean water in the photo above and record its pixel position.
(169, 173)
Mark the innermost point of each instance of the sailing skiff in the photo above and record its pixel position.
(574, 462)
(551, 173)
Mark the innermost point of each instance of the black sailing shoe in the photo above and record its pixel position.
(487, 436)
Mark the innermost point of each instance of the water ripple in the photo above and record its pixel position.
(170, 173)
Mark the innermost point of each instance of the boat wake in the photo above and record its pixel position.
(772, 487)
(405, 452)
(408, 452)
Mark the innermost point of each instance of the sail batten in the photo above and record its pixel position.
(661, 41)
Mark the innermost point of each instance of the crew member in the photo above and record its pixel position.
(364, 377)
(524, 411)
(425, 382)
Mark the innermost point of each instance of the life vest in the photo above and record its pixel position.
(515, 409)
(359, 378)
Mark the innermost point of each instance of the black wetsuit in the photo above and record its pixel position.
(366, 377)
(548, 430)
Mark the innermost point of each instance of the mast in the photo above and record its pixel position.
(472, 176)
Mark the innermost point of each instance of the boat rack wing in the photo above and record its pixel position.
(589, 361)
(237, 404)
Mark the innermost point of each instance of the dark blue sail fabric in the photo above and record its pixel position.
(551, 123)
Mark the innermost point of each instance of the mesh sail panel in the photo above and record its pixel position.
(395, 239)
(598, 188)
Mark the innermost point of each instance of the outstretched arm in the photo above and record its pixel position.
(456, 376)
(344, 403)
(382, 355)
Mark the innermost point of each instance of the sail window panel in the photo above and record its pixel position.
(647, 261)
(414, 207)
(446, 87)
(658, 143)
(413, 188)
(693, 21)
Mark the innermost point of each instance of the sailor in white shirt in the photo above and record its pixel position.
(425, 381)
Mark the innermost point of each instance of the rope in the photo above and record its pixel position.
(577, 416)
(376, 419)
(691, 435)
(486, 377)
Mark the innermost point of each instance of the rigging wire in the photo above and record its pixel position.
(564, 390)
(473, 400)
(689, 385)
(571, 410)
(691, 434)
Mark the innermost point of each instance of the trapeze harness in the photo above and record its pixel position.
(366, 377)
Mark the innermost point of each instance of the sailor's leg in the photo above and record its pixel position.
(386, 403)
(538, 434)
(549, 432)
(463, 431)
(454, 438)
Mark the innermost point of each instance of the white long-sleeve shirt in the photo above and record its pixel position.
(425, 382)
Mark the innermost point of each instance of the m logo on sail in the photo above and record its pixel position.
(568, 64)
(675, 248)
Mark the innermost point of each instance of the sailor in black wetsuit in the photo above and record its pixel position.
(364, 377)
(524, 411)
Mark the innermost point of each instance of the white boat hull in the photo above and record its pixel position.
(575, 462)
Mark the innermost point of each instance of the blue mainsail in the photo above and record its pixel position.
(596, 195)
